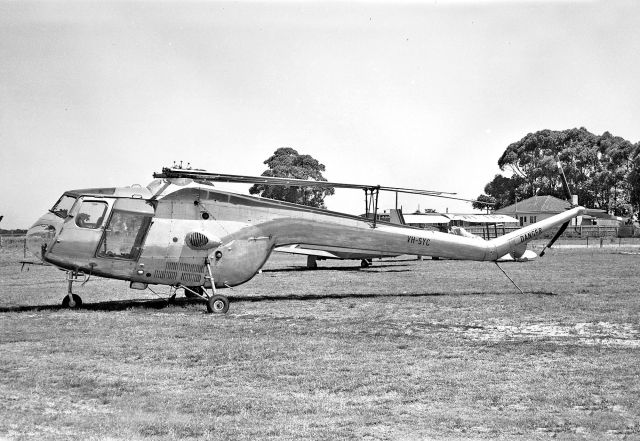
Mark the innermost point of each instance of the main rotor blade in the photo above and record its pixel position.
(200, 175)
(558, 234)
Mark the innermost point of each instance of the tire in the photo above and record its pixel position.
(76, 299)
(218, 305)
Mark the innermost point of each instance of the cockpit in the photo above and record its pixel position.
(63, 206)
(96, 222)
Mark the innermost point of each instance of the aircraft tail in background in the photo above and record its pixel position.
(396, 216)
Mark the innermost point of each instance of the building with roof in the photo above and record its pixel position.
(535, 209)
(431, 220)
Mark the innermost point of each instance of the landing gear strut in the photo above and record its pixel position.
(198, 289)
(216, 303)
(72, 300)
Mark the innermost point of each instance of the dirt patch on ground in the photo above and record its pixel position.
(585, 334)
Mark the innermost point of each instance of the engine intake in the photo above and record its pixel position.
(198, 240)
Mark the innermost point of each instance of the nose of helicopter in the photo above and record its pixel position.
(41, 234)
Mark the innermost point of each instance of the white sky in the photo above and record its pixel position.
(414, 94)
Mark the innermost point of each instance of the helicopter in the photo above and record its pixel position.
(182, 231)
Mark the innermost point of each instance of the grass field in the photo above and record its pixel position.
(405, 349)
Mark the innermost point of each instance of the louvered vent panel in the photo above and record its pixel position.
(191, 267)
(164, 274)
(190, 277)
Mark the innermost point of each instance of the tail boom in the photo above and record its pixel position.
(510, 243)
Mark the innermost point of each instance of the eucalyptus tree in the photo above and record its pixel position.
(286, 162)
(603, 170)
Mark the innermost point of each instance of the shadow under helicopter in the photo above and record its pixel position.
(161, 303)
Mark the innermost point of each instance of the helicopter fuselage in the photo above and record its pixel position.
(173, 239)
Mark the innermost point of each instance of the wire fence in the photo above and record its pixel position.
(572, 232)
(14, 243)
(591, 242)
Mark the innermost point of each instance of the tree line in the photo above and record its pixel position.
(603, 170)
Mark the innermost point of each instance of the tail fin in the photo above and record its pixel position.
(396, 216)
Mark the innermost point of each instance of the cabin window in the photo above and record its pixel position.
(62, 207)
(91, 214)
(126, 230)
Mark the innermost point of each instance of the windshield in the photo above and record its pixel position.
(62, 207)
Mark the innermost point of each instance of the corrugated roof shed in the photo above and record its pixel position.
(537, 204)
(483, 218)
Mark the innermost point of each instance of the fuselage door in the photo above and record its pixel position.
(126, 229)
(81, 231)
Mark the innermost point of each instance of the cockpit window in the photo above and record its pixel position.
(62, 207)
(91, 214)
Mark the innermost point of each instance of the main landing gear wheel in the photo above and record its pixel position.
(77, 302)
(218, 304)
(365, 263)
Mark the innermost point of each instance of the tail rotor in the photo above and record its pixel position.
(569, 196)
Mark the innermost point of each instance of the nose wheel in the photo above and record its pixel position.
(71, 300)
(74, 302)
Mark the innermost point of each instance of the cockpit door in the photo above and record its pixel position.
(81, 231)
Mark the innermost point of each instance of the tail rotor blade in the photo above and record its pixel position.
(561, 230)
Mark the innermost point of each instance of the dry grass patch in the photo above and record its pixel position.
(403, 350)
